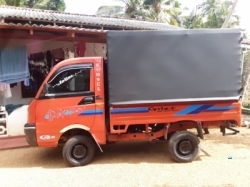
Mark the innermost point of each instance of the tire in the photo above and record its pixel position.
(170, 135)
(78, 151)
(186, 140)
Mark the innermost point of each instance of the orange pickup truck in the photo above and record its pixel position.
(156, 85)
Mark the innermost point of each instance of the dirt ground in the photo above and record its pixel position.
(133, 164)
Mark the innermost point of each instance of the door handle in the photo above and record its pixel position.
(87, 100)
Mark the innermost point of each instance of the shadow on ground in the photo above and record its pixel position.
(126, 152)
(240, 140)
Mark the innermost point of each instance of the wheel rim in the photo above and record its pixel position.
(185, 147)
(79, 151)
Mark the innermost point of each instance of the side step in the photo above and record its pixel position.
(223, 130)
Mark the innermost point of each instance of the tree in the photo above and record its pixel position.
(216, 18)
(229, 15)
(212, 14)
(11, 2)
(246, 69)
(198, 22)
(56, 5)
(157, 10)
(2, 2)
(174, 13)
(35, 3)
(131, 9)
(210, 6)
(209, 14)
(110, 11)
(157, 7)
(39, 4)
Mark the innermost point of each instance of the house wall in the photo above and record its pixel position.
(16, 97)
(34, 46)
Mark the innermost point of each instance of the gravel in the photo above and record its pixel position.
(133, 164)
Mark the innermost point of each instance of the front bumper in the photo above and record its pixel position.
(30, 133)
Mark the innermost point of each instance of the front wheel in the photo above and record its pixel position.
(184, 146)
(78, 151)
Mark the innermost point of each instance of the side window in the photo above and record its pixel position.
(73, 80)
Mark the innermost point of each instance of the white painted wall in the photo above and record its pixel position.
(35, 47)
(94, 50)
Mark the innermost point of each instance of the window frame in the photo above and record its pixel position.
(73, 93)
(49, 82)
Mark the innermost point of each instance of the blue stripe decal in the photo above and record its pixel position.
(220, 108)
(192, 109)
(91, 112)
(200, 109)
(129, 110)
(196, 109)
(188, 110)
(99, 111)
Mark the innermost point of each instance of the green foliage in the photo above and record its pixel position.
(109, 10)
(157, 10)
(209, 14)
(164, 10)
(2, 2)
(212, 14)
(131, 9)
(56, 5)
(11, 2)
(39, 4)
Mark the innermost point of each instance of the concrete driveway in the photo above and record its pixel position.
(133, 164)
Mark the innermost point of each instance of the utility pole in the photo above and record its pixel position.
(229, 14)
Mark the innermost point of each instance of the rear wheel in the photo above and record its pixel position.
(78, 151)
(184, 146)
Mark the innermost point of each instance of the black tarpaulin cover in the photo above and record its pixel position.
(174, 65)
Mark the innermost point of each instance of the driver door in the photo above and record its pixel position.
(70, 100)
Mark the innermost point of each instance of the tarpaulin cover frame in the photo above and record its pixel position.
(174, 65)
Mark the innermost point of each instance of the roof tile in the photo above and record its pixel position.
(51, 27)
(80, 19)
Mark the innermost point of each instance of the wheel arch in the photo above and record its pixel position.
(76, 129)
(74, 126)
(182, 124)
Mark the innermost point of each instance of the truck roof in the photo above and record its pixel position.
(174, 65)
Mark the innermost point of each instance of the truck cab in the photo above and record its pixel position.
(72, 97)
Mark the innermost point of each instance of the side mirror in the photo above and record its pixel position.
(46, 88)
